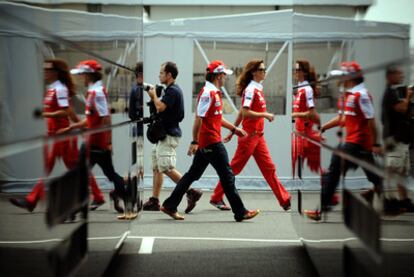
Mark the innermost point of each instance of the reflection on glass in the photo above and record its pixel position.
(41, 44)
(398, 133)
(305, 117)
(136, 112)
(322, 55)
(58, 113)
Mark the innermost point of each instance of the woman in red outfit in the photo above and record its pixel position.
(305, 117)
(58, 113)
(252, 115)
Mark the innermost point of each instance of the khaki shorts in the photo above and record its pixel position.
(398, 161)
(140, 153)
(164, 156)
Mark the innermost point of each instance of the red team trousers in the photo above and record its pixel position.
(68, 151)
(255, 145)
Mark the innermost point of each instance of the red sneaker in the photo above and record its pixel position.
(335, 199)
(313, 214)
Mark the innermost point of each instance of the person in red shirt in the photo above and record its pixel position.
(97, 115)
(208, 148)
(305, 116)
(58, 113)
(356, 114)
(251, 116)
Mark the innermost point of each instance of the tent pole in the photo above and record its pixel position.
(289, 87)
(269, 68)
(336, 57)
(223, 89)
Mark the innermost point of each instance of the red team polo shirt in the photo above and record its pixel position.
(209, 108)
(56, 98)
(253, 98)
(302, 103)
(358, 109)
(96, 108)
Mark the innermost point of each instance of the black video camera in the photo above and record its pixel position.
(402, 92)
(152, 109)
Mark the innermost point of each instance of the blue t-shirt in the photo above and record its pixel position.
(174, 113)
(136, 109)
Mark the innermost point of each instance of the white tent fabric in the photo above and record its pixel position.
(173, 40)
(33, 22)
(213, 2)
(373, 43)
(274, 26)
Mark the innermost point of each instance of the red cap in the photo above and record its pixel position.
(350, 67)
(217, 66)
(88, 66)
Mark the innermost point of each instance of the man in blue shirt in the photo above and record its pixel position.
(170, 107)
(135, 112)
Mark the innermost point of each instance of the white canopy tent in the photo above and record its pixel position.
(370, 43)
(25, 32)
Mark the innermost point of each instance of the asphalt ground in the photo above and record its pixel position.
(210, 243)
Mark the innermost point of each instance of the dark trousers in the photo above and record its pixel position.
(103, 158)
(216, 155)
(330, 180)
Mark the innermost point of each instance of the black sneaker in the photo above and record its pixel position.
(393, 207)
(193, 195)
(96, 204)
(368, 196)
(287, 206)
(114, 197)
(407, 205)
(22, 203)
(220, 205)
(153, 204)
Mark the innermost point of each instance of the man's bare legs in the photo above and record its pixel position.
(158, 178)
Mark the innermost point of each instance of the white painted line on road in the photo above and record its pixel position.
(146, 245)
(205, 238)
(105, 238)
(328, 240)
(30, 241)
(271, 240)
(219, 239)
(121, 240)
(56, 240)
(397, 240)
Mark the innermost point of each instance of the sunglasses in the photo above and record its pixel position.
(262, 69)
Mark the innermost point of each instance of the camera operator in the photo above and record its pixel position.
(159, 90)
(170, 108)
(398, 132)
(136, 99)
(135, 112)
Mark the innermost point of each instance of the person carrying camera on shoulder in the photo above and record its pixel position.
(398, 134)
(170, 110)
